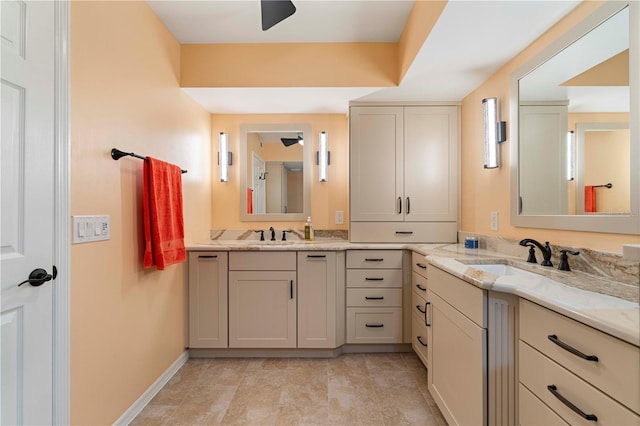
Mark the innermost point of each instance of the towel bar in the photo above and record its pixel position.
(116, 154)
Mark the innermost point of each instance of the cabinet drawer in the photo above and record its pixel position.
(419, 340)
(403, 232)
(617, 360)
(420, 308)
(374, 297)
(538, 373)
(420, 284)
(374, 278)
(419, 264)
(533, 412)
(466, 298)
(262, 261)
(374, 259)
(374, 325)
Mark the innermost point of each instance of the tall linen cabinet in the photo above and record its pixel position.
(404, 173)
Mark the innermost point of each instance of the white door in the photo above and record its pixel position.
(259, 191)
(27, 200)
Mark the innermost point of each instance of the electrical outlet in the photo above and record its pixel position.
(494, 221)
(339, 217)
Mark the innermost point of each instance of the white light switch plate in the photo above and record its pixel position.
(339, 217)
(494, 221)
(87, 229)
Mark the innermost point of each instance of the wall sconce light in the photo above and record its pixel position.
(323, 156)
(571, 159)
(495, 132)
(223, 153)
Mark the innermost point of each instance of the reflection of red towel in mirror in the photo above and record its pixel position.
(249, 200)
(162, 212)
(589, 199)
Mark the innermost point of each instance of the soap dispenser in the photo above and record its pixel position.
(308, 230)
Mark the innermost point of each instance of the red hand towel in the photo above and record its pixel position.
(589, 199)
(162, 210)
(249, 200)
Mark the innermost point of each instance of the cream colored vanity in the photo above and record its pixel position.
(570, 373)
(295, 298)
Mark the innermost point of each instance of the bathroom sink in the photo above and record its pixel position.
(270, 243)
(502, 269)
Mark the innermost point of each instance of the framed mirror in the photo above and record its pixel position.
(275, 172)
(575, 150)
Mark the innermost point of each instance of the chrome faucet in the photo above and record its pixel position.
(545, 250)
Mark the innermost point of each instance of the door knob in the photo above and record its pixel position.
(39, 276)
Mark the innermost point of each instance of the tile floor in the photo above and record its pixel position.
(353, 389)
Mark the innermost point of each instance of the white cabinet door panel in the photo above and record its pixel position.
(430, 164)
(376, 163)
(262, 309)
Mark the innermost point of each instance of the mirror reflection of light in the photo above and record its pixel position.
(570, 155)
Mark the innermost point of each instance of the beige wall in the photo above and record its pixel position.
(127, 324)
(484, 191)
(327, 197)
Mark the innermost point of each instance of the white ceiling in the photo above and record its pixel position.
(470, 41)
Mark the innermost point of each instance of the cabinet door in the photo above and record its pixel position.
(207, 299)
(262, 309)
(376, 147)
(430, 163)
(316, 300)
(543, 130)
(457, 364)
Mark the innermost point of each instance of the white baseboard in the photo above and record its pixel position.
(148, 395)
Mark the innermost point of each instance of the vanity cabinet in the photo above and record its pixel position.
(321, 299)
(374, 296)
(569, 371)
(207, 299)
(403, 173)
(457, 351)
(419, 307)
(262, 300)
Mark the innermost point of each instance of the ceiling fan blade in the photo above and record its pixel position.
(274, 11)
(289, 141)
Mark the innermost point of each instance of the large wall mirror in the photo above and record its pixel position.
(275, 172)
(575, 150)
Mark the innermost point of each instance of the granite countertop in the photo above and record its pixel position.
(604, 305)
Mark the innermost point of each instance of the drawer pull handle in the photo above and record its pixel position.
(571, 349)
(374, 297)
(316, 256)
(554, 390)
(404, 232)
(291, 288)
(373, 279)
(374, 259)
(420, 340)
(421, 265)
(418, 307)
(374, 325)
(207, 257)
(425, 314)
(421, 288)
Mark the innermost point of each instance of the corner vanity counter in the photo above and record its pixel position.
(505, 341)
(572, 355)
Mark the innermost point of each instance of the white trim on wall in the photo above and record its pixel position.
(135, 409)
(61, 250)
